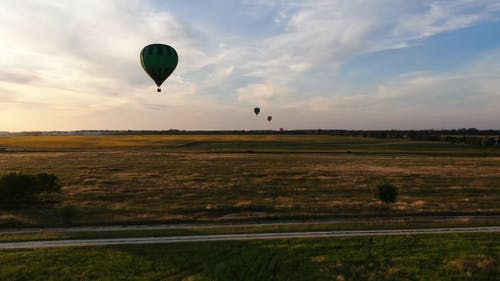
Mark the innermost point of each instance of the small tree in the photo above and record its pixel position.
(48, 183)
(386, 193)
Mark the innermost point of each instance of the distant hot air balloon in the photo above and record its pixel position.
(159, 61)
(269, 118)
(256, 110)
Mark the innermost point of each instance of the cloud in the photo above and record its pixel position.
(89, 45)
(264, 94)
(324, 34)
(466, 98)
(442, 16)
(17, 76)
(80, 58)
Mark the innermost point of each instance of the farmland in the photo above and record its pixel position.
(212, 178)
(412, 257)
(226, 180)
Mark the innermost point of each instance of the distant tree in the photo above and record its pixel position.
(386, 193)
(18, 188)
(48, 183)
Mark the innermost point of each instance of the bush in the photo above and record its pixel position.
(18, 189)
(48, 183)
(386, 193)
(22, 189)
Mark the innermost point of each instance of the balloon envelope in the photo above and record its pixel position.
(159, 61)
(256, 110)
(269, 118)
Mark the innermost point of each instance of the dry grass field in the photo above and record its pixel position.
(137, 179)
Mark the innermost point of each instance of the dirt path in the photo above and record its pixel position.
(228, 237)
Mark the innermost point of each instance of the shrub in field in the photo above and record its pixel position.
(48, 183)
(386, 193)
(17, 189)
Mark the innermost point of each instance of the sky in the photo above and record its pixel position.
(329, 64)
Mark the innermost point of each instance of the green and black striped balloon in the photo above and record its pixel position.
(159, 61)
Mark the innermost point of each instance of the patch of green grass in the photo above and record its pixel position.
(413, 257)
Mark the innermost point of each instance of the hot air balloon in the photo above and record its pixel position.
(159, 61)
(269, 118)
(256, 110)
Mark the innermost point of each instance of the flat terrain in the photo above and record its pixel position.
(218, 178)
(271, 185)
(241, 143)
(410, 257)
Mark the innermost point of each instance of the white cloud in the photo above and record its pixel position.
(85, 42)
(466, 98)
(264, 94)
(321, 35)
(80, 58)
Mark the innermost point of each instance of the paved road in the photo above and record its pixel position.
(228, 237)
(233, 225)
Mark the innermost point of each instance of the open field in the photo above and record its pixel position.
(144, 179)
(242, 143)
(412, 257)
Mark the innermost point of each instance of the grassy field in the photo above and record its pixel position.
(417, 257)
(239, 143)
(178, 141)
(137, 179)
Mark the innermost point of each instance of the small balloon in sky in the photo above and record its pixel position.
(269, 118)
(159, 61)
(256, 110)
